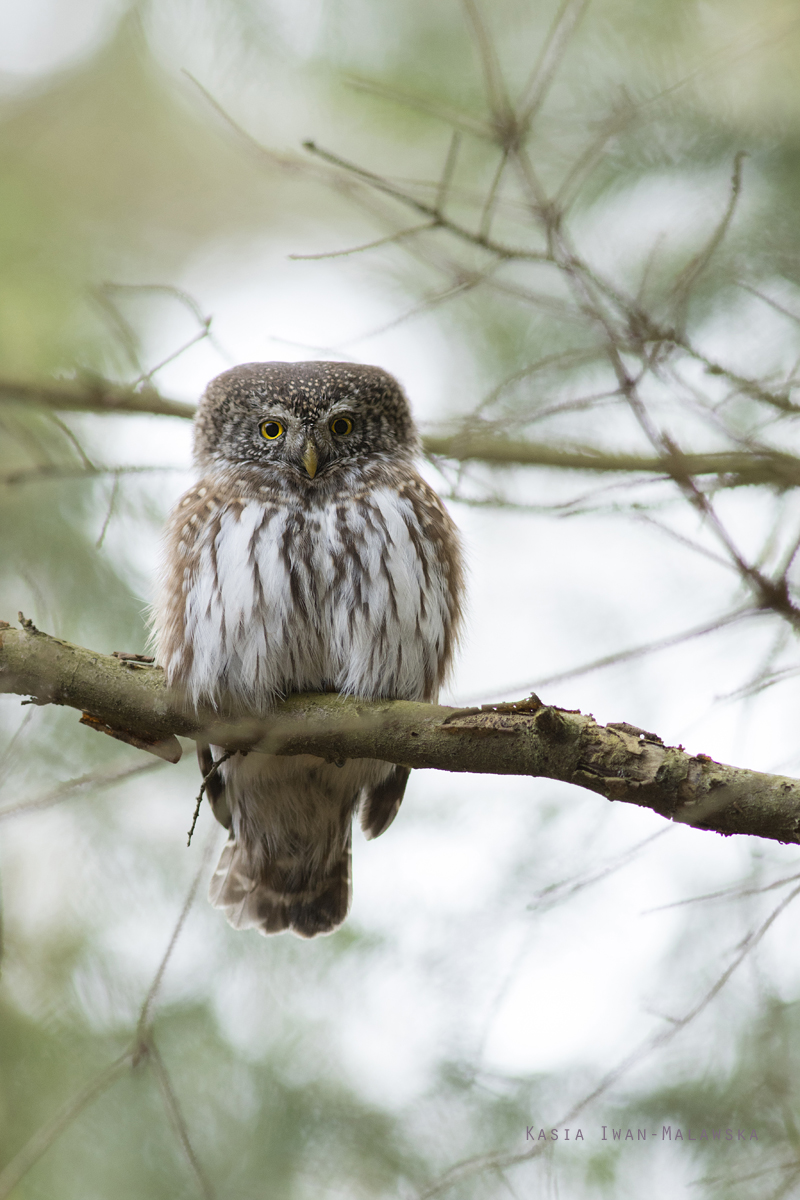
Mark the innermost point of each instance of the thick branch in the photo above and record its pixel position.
(619, 762)
(738, 467)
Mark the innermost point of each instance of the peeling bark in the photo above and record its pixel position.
(129, 699)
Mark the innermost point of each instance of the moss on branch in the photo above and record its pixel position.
(618, 761)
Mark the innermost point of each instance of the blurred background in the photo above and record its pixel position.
(572, 233)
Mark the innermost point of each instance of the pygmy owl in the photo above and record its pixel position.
(309, 556)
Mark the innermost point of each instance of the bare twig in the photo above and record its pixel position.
(84, 457)
(215, 766)
(559, 893)
(736, 893)
(447, 174)
(697, 265)
(496, 94)
(620, 656)
(543, 74)
(44, 1138)
(110, 511)
(384, 241)
(93, 781)
(427, 210)
(450, 116)
(148, 1004)
(650, 1045)
(177, 1119)
(141, 1048)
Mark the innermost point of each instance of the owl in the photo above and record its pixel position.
(309, 556)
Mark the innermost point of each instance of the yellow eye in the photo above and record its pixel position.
(271, 430)
(341, 426)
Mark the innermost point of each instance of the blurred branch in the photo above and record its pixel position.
(43, 1139)
(383, 241)
(450, 116)
(626, 326)
(142, 1048)
(45, 471)
(562, 29)
(94, 781)
(657, 1041)
(683, 284)
(630, 654)
(177, 1120)
(92, 395)
(382, 184)
(736, 467)
(618, 761)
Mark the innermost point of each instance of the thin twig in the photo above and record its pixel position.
(384, 241)
(141, 1047)
(93, 781)
(459, 231)
(177, 1118)
(558, 893)
(612, 660)
(65, 429)
(485, 226)
(544, 72)
(645, 1049)
(496, 94)
(12, 748)
(44, 1138)
(697, 265)
(786, 312)
(109, 513)
(146, 1011)
(447, 173)
(433, 301)
(450, 116)
(736, 893)
(206, 780)
(198, 337)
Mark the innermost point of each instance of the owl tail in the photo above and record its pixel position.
(273, 895)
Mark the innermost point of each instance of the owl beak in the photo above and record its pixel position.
(310, 458)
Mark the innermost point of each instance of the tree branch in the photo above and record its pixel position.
(93, 395)
(738, 467)
(130, 700)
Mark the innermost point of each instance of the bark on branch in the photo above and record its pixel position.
(618, 761)
(737, 467)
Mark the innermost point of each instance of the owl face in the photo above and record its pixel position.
(305, 420)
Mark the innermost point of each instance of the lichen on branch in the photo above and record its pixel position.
(130, 699)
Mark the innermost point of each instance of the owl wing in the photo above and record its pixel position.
(437, 545)
(380, 803)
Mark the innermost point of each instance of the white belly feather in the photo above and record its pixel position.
(348, 596)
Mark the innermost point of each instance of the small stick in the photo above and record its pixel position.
(206, 780)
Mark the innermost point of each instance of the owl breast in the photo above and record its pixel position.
(353, 594)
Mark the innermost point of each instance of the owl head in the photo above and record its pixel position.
(305, 420)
